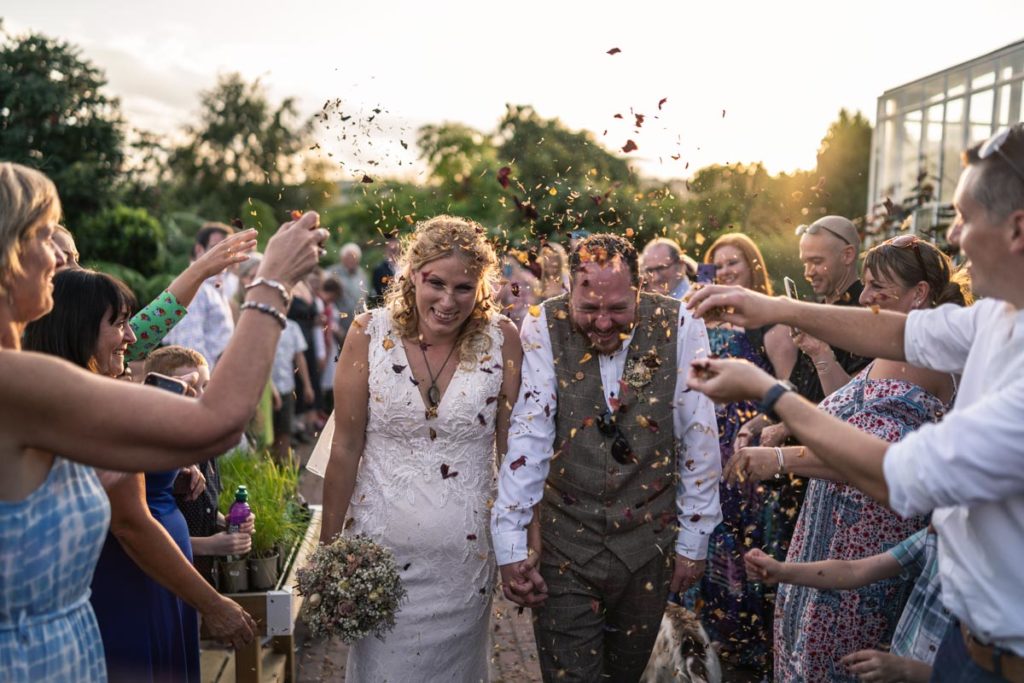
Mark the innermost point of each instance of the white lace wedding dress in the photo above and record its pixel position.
(424, 490)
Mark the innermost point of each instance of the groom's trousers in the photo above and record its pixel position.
(600, 620)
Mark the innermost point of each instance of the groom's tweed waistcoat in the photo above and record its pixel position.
(591, 501)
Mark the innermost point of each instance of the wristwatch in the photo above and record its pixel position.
(767, 403)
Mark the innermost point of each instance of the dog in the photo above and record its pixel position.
(683, 651)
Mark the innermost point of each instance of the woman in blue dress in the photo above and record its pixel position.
(736, 614)
(53, 514)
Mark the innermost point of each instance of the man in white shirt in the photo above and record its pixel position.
(209, 324)
(666, 269)
(618, 458)
(354, 283)
(968, 470)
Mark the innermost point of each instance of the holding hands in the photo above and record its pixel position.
(685, 573)
(522, 583)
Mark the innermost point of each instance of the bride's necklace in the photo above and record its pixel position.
(433, 393)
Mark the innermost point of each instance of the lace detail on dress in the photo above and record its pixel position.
(424, 489)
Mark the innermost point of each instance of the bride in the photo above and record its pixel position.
(423, 392)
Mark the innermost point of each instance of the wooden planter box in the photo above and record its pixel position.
(271, 655)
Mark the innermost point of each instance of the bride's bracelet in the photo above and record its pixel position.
(273, 284)
(266, 309)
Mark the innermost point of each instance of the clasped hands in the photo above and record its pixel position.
(522, 583)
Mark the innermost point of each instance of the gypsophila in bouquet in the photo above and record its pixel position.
(352, 589)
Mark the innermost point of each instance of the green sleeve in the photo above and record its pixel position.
(152, 324)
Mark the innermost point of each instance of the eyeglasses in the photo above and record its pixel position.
(814, 228)
(994, 145)
(905, 241)
(654, 270)
(621, 451)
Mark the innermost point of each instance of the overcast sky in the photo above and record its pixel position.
(744, 81)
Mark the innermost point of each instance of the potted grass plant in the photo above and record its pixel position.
(277, 529)
(272, 496)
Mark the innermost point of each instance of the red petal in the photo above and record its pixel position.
(629, 146)
(614, 51)
(517, 463)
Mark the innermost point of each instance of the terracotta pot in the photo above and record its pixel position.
(234, 576)
(263, 572)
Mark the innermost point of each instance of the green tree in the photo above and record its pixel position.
(244, 147)
(844, 160)
(55, 117)
(124, 235)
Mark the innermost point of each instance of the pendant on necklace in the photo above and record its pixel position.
(434, 396)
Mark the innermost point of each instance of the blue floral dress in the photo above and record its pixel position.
(814, 629)
(737, 614)
(49, 544)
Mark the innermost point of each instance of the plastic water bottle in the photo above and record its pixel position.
(238, 513)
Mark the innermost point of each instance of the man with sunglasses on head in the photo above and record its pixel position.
(829, 249)
(966, 470)
(619, 462)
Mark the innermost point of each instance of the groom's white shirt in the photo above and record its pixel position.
(532, 434)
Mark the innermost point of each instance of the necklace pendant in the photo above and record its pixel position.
(434, 395)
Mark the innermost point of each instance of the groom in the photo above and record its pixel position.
(621, 458)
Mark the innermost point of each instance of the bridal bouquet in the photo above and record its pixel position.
(352, 589)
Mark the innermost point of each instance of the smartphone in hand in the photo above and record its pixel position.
(706, 273)
(790, 287)
(792, 294)
(172, 384)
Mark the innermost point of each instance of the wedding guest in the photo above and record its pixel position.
(54, 510)
(209, 325)
(354, 282)
(962, 470)
(837, 521)
(554, 270)
(666, 269)
(922, 624)
(385, 270)
(153, 322)
(145, 592)
(206, 525)
(517, 290)
(737, 614)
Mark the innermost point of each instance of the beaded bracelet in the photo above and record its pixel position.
(274, 284)
(268, 310)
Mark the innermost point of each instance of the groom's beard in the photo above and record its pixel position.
(623, 332)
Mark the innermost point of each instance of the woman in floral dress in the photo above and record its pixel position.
(738, 614)
(815, 629)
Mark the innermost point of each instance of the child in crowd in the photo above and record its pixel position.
(924, 619)
(289, 360)
(206, 526)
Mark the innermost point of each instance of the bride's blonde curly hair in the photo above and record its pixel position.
(437, 238)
